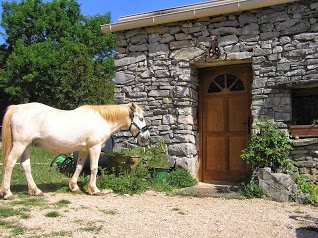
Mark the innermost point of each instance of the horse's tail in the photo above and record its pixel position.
(6, 132)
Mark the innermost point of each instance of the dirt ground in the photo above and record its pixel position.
(158, 215)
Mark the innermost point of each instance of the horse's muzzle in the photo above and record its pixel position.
(144, 136)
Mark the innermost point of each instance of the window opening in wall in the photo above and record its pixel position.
(304, 106)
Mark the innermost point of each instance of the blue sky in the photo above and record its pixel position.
(127, 7)
(120, 8)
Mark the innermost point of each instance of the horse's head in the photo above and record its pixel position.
(138, 127)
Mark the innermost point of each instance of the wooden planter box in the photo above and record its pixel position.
(115, 164)
(121, 163)
(303, 131)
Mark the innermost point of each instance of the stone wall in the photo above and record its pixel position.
(156, 67)
(305, 157)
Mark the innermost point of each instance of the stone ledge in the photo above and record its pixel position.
(303, 142)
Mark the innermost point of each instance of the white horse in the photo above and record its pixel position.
(84, 129)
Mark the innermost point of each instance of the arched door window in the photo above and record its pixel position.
(226, 82)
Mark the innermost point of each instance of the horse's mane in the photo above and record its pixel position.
(111, 112)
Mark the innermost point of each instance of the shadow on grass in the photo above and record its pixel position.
(47, 187)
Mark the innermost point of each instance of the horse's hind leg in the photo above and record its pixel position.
(79, 167)
(26, 167)
(15, 153)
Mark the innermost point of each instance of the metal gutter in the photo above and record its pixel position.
(193, 11)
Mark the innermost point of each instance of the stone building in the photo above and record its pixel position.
(204, 73)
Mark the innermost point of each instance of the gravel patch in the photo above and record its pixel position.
(158, 215)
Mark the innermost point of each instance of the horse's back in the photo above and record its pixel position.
(30, 112)
(28, 117)
(53, 128)
(32, 108)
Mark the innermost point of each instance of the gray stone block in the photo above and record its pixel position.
(131, 59)
(227, 40)
(187, 53)
(182, 149)
(277, 186)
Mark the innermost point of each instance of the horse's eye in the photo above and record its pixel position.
(141, 119)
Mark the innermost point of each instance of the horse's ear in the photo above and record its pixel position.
(133, 107)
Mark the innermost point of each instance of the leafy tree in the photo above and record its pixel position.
(83, 75)
(55, 55)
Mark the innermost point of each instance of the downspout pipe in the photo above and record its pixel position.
(194, 11)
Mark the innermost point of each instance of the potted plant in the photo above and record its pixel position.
(119, 161)
(155, 158)
(304, 131)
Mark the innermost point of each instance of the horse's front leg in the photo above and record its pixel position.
(94, 153)
(79, 167)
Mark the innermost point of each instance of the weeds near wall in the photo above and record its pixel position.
(308, 188)
(252, 190)
(139, 181)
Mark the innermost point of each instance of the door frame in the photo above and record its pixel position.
(200, 111)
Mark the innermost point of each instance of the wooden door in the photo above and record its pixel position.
(224, 121)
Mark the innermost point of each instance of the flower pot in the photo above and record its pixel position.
(122, 163)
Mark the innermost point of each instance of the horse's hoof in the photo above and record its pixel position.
(36, 194)
(98, 194)
(11, 197)
(76, 191)
(39, 195)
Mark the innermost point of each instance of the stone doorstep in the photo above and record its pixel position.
(213, 189)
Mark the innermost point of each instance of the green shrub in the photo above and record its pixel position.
(140, 181)
(269, 147)
(181, 178)
(313, 198)
(253, 190)
(125, 183)
(303, 186)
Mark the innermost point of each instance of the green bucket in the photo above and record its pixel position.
(160, 174)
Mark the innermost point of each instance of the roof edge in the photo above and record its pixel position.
(188, 12)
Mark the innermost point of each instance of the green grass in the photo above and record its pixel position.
(58, 234)
(62, 203)
(31, 202)
(91, 229)
(15, 229)
(110, 212)
(21, 208)
(46, 178)
(52, 214)
(9, 212)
